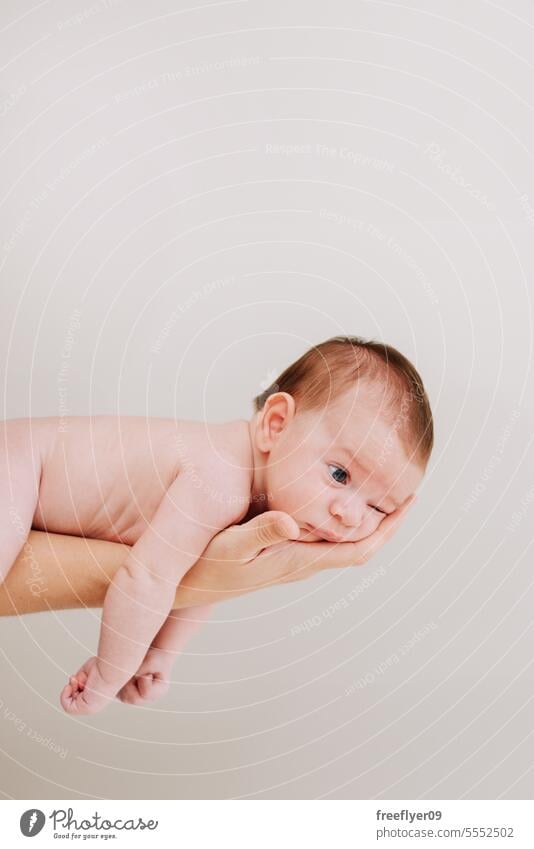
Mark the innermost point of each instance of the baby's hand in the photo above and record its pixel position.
(86, 692)
(151, 681)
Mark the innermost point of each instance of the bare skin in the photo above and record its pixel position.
(55, 572)
(167, 487)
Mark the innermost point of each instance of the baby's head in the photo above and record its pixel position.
(342, 437)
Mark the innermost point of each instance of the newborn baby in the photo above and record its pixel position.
(340, 439)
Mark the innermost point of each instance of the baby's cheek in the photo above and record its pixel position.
(290, 498)
(286, 502)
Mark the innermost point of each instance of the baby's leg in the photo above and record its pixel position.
(20, 473)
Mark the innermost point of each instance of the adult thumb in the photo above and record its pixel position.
(264, 530)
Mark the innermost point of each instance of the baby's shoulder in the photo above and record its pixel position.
(215, 459)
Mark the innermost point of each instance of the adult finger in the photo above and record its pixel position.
(246, 541)
(338, 555)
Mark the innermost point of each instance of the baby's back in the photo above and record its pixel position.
(104, 476)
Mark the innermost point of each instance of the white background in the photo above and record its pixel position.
(193, 194)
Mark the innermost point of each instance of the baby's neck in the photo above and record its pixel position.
(238, 443)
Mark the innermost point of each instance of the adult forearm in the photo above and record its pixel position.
(57, 572)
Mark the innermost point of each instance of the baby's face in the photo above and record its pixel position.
(338, 471)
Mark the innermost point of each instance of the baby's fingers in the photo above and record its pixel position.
(143, 689)
(69, 699)
(126, 695)
(369, 546)
(122, 695)
(82, 679)
(152, 688)
(129, 694)
(65, 697)
(77, 682)
(391, 523)
(338, 555)
(144, 683)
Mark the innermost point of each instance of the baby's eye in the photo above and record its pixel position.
(339, 474)
(378, 510)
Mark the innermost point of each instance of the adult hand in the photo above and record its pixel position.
(265, 551)
(57, 572)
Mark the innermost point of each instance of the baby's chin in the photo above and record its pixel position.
(310, 536)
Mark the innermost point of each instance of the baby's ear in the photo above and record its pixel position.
(278, 411)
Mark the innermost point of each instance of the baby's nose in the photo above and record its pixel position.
(350, 512)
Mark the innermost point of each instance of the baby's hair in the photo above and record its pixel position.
(327, 370)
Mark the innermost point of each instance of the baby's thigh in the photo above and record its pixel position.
(20, 472)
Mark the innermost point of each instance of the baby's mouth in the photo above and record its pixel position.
(311, 534)
(308, 535)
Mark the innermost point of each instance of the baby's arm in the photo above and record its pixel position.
(152, 679)
(179, 627)
(142, 592)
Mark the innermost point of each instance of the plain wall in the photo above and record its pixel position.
(191, 196)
